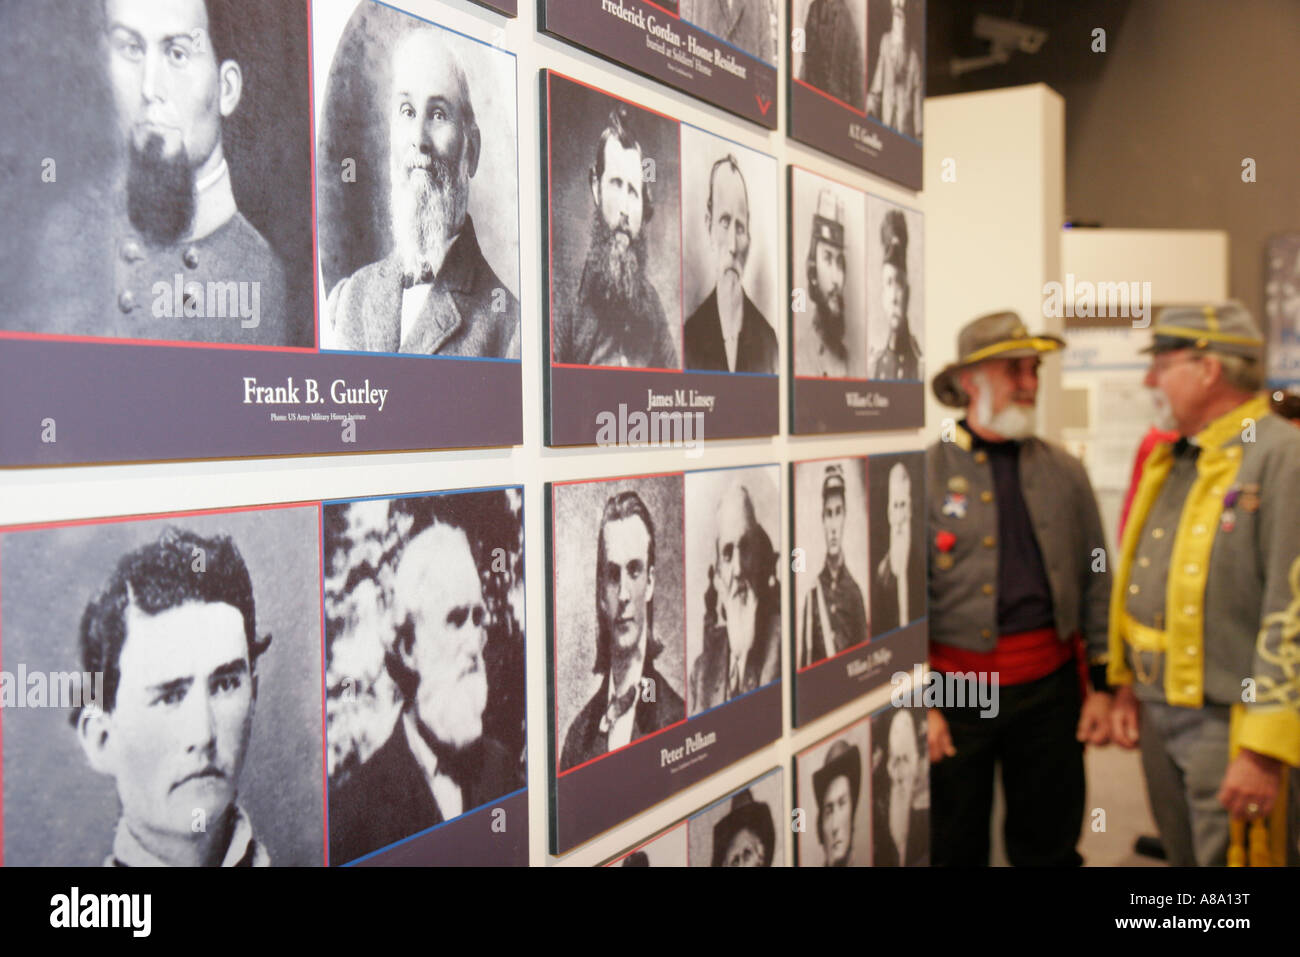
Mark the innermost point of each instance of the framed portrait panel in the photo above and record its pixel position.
(661, 262)
(217, 266)
(665, 637)
(857, 82)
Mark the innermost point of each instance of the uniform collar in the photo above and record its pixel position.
(1229, 425)
(243, 848)
(214, 203)
(974, 441)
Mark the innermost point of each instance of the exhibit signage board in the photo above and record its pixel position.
(725, 55)
(858, 533)
(259, 274)
(659, 238)
(857, 82)
(267, 685)
(665, 633)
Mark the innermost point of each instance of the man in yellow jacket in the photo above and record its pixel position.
(1205, 611)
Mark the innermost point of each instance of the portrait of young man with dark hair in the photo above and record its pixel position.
(174, 633)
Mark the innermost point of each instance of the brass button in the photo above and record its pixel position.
(1191, 651)
(986, 633)
(1189, 611)
(131, 251)
(191, 257)
(981, 457)
(1144, 562)
(987, 589)
(126, 301)
(1199, 530)
(1157, 533)
(1190, 690)
(989, 541)
(1191, 568)
(1133, 589)
(986, 496)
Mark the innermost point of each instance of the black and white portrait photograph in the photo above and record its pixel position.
(668, 849)
(171, 707)
(749, 25)
(832, 608)
(900, 789)
(168, 148)
(424, 673)
(741, 829)
(614, 207)
(897, 531)
(833, 790)
(895, 291)
(896, 64)
(829, 294)
(417, 184)
(832, 59)
(729, 269)
(733, 583)
(617, 613)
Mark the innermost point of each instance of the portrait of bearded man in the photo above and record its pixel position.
(434, 292)
(618, 318)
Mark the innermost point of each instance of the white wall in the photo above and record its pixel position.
(992, 231)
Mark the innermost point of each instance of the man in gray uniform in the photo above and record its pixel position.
(434, 293)
(162, 251)
(1017, 571)
(1205, 615)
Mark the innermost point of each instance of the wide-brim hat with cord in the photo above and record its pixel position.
(997, 335)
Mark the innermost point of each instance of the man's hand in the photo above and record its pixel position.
(1094, 719)
(1250, 786)
(1124, 718)
(939, 736)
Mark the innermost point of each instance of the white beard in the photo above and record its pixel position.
(425, 217)
(1164, 415)
(1015, 422)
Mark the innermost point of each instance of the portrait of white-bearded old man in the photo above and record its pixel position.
(425, 664)
(172, 205)
(898, 594)
(200, 746)
(433, 292)
(615, 226)
(900, 815)
(734, 592)
(729, 266)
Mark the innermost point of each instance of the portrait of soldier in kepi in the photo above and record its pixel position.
(820, 345)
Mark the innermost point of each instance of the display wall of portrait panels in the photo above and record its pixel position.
(665, 633)
(857, 269)
(241, 271)
(661, 255)
(723, 53)
(337, 682)
(855, 521)
(739, 830)
(856, 82)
